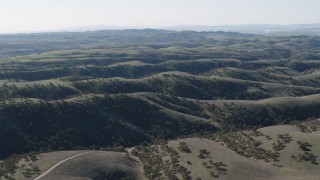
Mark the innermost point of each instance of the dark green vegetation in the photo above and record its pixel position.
(93, 90)
(155, 167)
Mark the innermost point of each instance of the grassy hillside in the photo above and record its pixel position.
(275, 152)
(79, 165)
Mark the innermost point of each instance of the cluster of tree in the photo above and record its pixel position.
(175, 85)
(114, 174)
(183, 147)
(154, 165)
(41, 91)
(245, 145)
(283, 139)
(234, 117)
(10, 165)
(179, 104)
(36, 74)
(308, 126)
(306, 156)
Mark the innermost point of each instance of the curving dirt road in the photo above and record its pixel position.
(284, 91)
(59, 163)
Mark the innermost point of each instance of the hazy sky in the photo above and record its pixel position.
(34, 15)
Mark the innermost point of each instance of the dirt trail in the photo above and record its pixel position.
(59, 163)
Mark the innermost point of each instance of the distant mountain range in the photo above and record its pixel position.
(264, 29)
(267, 29)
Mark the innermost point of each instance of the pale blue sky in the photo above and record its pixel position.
(34, 15)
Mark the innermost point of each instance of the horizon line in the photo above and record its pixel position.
(91, 28)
